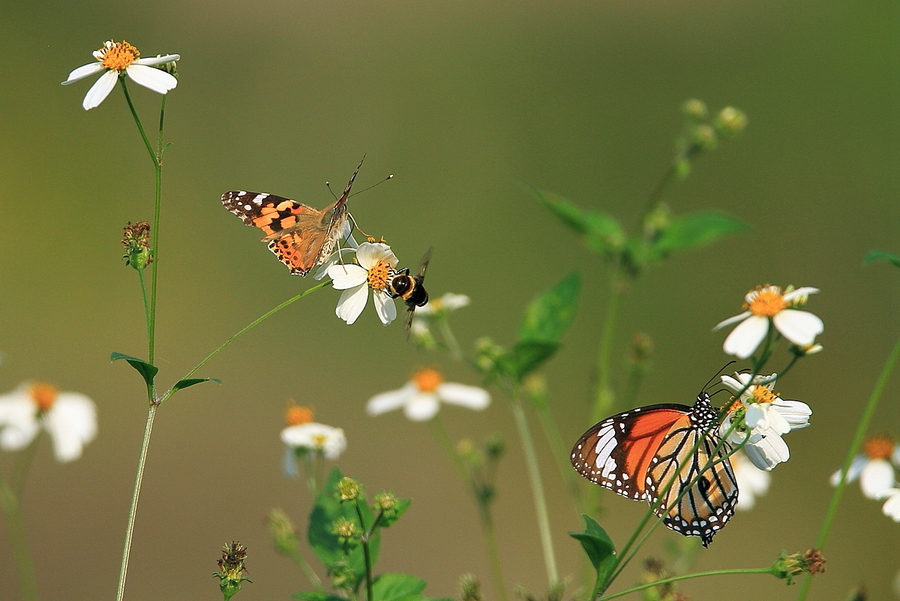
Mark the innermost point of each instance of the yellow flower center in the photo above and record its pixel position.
(43, 396)
(427, 380)
(879, 447)
(296, 415)
(761, 394)
(319, 440)
(379, 275)
(118, 55)
(768, 302)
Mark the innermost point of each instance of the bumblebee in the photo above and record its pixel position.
(410, 288)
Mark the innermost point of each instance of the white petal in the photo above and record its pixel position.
(876, 477)
(744, 339)
(352, 303)
(370, 253)
(151, 78)
(801, 291)
(800, 327)
(421, 406)
(471, 397)
(891, 507)
(100, 90)
(388, 401)
(731, 320)
(752, 481)
(768, 451)
(341, 257)
(289, 463)
(157, 60)
(385, 307)
(347, 276)
(72, 423)
(82, 72)
(18, 421)
(796, 413)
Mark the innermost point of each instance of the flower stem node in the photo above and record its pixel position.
(787, 567)
(348, 489)
(231, 566)
(136, 241)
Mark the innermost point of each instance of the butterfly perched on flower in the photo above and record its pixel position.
(639, 452)
(301, 236)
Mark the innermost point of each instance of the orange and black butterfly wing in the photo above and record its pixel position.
(301, 236)
(707, 503)
(617, 452)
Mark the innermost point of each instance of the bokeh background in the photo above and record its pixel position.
(463, 102)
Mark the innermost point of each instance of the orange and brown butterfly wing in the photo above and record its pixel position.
(617, 452)
(294, 230)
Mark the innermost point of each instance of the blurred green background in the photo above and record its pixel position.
(462, 102)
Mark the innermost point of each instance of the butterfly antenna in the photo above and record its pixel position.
(391, 176)
(717, 374)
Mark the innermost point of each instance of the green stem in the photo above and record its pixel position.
(861, 430)
(537, 487)
(155, 157)
(603, 394)
(243, 331)
(146, 302)
(367, 552)
(132, 512)
(687, 577)
(450, 340)
(9, 502)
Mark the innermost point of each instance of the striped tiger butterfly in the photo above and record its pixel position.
(637, 453)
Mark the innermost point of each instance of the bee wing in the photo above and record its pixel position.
(419, 278)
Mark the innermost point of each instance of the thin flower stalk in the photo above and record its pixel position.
(647, 585)
(537, 487)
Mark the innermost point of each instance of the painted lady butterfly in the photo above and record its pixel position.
(301, 236)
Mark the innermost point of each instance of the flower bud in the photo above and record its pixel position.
(348, 489)
(136, 241)
(231, 576)
(730, 122)
(787, 567)
(695, 110)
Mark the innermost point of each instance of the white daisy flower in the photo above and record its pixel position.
(305, 438)
(874, 467)
(421, 397)
(375, 269)
(767, 305)
(765, 415)
(752, 481)
(70, 418)
(116, 58)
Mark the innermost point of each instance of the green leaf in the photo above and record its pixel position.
(528, 355)
(692, 231)
(318, 596)
(599, 547)
(397, 587)
(400, 507)
(192, 381)
(879, 255)
(324, 543)
(147, 371)
(550, 314)
(601, 231)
